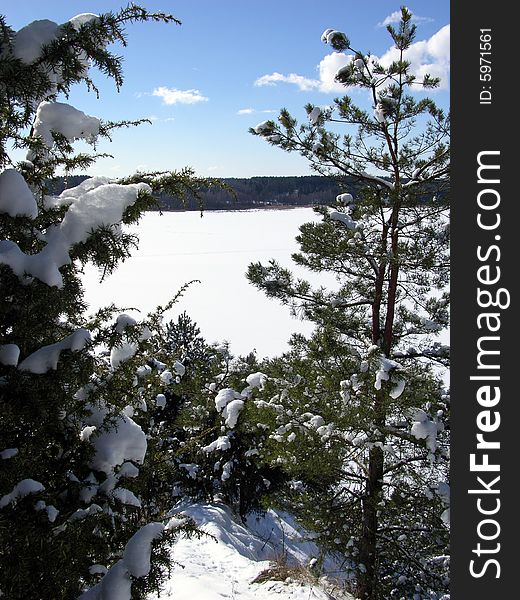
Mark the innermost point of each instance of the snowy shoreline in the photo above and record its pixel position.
(236, 210)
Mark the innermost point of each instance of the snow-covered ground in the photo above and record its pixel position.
(225, 563)
(216, 249)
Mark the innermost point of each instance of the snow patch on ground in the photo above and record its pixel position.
(224, 563)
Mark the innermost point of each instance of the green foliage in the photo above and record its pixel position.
(368, 460)
(74, 401)
(206, 455)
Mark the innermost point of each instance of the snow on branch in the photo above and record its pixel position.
(47, 358)
(66, 120)
(21, 490)
(135, 563)
(104, 205)
(16, 198)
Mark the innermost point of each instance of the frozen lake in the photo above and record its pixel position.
(216, 249)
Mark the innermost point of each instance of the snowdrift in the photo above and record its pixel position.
(226, 562)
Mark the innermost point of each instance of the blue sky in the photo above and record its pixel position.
(230, 65)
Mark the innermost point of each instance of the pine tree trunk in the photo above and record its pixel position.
(367, 583)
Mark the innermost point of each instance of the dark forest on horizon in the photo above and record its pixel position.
(254, 192)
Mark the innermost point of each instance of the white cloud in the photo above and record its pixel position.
(328, 68)
(303, 83)
(250, 111)
(428, 56)
(395, 17)
(174, 96)
(156, 119)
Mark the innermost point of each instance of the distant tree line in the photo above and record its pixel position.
(254, 192)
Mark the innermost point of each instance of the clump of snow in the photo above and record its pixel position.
(123, 321)
(383, 374)
(16, 198)
(179, 368)
(160, 401)
(336, 39)
(231, 412)
(325, 431)
(379, 113)
(63, 118)
(47, 358)
(157, 364)
(8, 453)
(317, 147)
(123, 442)
(135, 563)
(224, 397)
(83, 513)
(166, 377)
(344, 390)
(262, 128)
(9, 355)
(175, 523)
(128, 410)
(21, 490)
(345, 199)
(423, 428)
(70, 195)
(398, 389)
(325, 34)
(146, 334)
(191, 468)
(143, 371)
(314, 115)
(86, 432)
(384, 182)
(359, 64)
(315, 421)
(342, 72)
(128, 470)
(138, 549)
(122, 353)
(102, 206)
(256, 380)
(443, 491)
(226, 470)
(116, 585)
(29, 41)
(126, 497)
(347, 220)
(52, 511)
(83, 19)
(221, 443)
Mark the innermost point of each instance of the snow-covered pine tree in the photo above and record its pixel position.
(67, 446)
(206, 423)
(386, 241)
